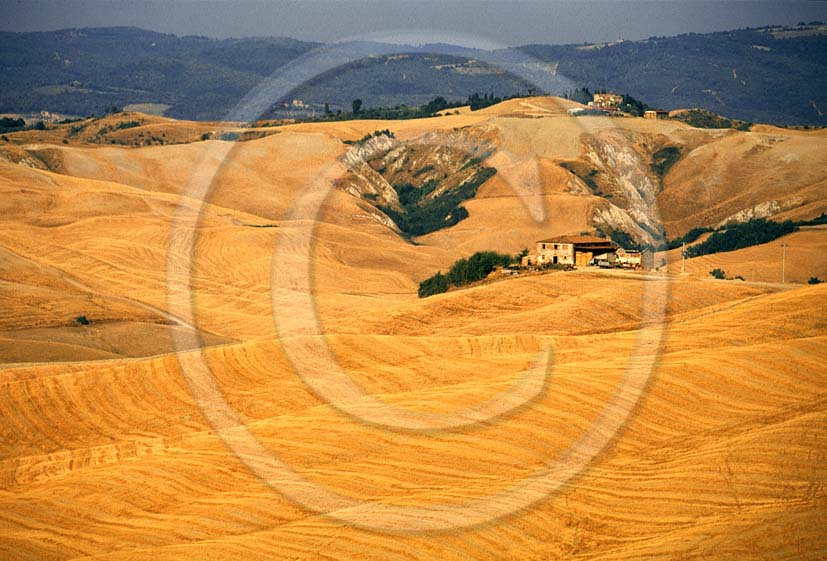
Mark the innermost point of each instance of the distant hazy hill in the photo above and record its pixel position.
(769, 75)
(763, 75)
(80, 71)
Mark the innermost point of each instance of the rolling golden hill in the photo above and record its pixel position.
(105, 452)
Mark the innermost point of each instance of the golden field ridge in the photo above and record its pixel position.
(104, 453)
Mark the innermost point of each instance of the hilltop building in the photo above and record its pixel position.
(656, 114)
(582, 251)
(568, 250)
(606, 100)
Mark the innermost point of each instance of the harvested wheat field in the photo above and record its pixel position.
(111, 448)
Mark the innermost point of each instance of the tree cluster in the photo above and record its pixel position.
(368, 136)
(745, 234)
(688, 237)
(820, 219)
(475, 101)
(622, 238)
(395, 113)
(702, 119)
(632, 106)
(664, 159)
(465, 271)
(421, 215)
(580, 95)
(7, 124)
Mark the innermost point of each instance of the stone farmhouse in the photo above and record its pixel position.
(568, 250)
(607, 100)
(584, 250)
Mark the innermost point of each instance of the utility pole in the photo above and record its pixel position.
(683, 257)
(783, 262)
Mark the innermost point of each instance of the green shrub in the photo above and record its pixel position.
(584, 171)
(436, 284)
(385, 132)
(423, 169)
(718, 273)
(465, 271)
(814, 280)
(8, 124)
(127, 125)
(702, 119)
(624, 240)
(82, 320)
(664, 159)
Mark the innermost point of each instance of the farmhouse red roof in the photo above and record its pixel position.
(577, 240)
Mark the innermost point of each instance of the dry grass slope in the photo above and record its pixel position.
(105, 455)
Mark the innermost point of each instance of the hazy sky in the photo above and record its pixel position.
(501, 22)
